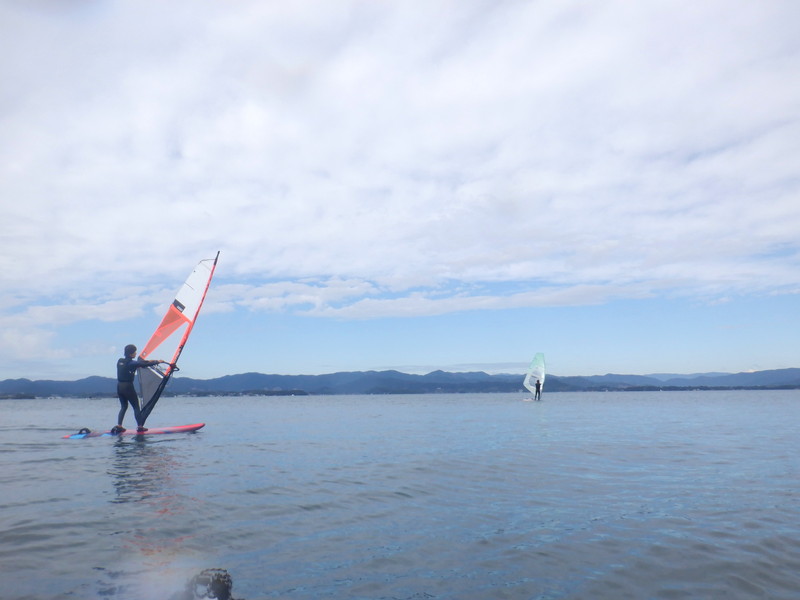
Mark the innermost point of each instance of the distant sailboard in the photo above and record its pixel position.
(170, 336)
(535, 372)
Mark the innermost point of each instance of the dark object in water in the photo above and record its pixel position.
(209, 583)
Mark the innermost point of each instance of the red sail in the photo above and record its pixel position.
(182, 312)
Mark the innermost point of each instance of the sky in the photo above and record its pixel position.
(405, 185)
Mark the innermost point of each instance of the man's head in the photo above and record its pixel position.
(130, 350)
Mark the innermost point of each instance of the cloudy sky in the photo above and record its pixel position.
(411, 185)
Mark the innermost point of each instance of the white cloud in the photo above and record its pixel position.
(354, 159)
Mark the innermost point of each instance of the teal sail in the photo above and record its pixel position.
(535, 373)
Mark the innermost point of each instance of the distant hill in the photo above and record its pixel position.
(777, 378)
(395, 382)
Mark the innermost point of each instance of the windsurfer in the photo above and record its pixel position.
(126, 372)
(538, 394)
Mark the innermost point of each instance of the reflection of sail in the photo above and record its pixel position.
(172, 333)
(142, 471)
(152, 494)
(535, 372)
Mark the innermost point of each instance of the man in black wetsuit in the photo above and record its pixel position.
(126, 372)
(538, 394)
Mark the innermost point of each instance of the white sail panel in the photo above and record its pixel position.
(182, 313)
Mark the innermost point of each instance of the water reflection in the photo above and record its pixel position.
(151, 483)
(142, 470)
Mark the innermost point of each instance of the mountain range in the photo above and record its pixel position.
(395, 382)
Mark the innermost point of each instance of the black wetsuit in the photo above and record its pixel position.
(126, 372)
(538, 394)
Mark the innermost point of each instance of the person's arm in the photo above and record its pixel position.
(139, 362)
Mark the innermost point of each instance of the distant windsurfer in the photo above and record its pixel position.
(538, 394)
(126, 373)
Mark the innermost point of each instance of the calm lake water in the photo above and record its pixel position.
(470, 496)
